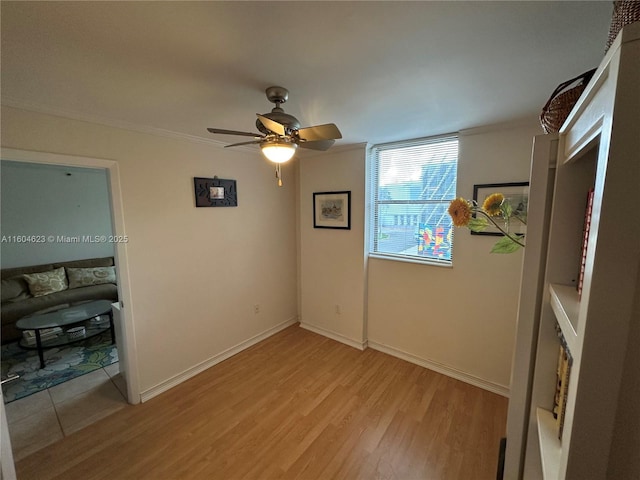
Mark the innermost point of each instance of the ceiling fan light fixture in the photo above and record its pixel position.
(278, 150)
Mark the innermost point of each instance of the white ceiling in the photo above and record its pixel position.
(381, 71)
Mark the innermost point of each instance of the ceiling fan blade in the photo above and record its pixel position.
(320, 132)
(317, 144)
(243, 143)
(234, 132)
(275, 127)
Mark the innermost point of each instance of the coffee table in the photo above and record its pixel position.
(77, 315)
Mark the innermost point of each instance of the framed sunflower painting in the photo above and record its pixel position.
(516, 194)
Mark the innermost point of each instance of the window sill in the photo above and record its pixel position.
(397, 258)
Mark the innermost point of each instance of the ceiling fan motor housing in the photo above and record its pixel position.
(281, 130)
(277, 115)
(278, 95)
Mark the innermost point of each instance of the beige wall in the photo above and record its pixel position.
(458, 320)
(195, 273)
(332, 265)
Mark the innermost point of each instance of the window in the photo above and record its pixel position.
(411, 185)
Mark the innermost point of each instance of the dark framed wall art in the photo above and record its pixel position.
(215, 192)
(332, 210)
(517, 193)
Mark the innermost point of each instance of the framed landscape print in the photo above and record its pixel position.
(332, 210)
(517, 193)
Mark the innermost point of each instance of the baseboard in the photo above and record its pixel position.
(443, 369)
(201, 367)
(338, 337)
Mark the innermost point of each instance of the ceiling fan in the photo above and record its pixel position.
(281, 133)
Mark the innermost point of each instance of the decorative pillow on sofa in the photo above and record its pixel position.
(45, 283)
(84, 277)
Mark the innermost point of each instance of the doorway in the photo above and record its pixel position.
(122, 311)
(120, 251)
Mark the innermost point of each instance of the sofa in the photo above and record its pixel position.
(48, 287)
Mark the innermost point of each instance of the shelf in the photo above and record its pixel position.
(565, 303)
(550, 447)
(91, 330)
(594, 152)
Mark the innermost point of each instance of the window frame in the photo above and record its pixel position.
(373, 202)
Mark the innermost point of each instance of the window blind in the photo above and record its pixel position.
(411, 185)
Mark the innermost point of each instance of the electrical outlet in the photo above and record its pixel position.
(338, 310)
(256, 309)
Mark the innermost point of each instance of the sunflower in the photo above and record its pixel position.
(492, 204)
(460, 211)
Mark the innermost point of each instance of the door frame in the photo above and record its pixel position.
(7, 466)
(120, 250)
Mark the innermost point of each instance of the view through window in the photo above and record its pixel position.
(412, 183)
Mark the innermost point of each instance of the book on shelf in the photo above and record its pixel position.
(563, 373)
(585, 239)
(566, 374)
(556, 398)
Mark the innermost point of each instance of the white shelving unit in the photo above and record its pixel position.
(599, 148)
(566, 307)
(550, 447)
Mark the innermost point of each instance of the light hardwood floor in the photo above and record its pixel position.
(295, 406)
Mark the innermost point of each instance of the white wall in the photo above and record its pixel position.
(195, 273)
(333, 261)
(51, 201)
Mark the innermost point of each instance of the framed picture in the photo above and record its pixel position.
(215, 192)
(332, 210)
(516, 193)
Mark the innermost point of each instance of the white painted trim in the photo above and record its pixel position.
(49, 158)
(201, 367)
(7, 465)
(343, 147)
(146, 129)
(338, 337)
(109, 122)
(418, 261)
(443, 369)
(523, 122)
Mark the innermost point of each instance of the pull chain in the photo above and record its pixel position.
(279, 174)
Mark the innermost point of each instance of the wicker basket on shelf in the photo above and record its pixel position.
(562, 100)
(624, 13)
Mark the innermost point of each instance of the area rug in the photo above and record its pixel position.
(61, 364)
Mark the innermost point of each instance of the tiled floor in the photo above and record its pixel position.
(46, 417)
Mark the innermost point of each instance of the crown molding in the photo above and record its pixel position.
(109, 122)
(334, 150)
(133, 127)
(160, 132)
(522, 122)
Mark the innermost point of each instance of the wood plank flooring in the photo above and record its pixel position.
(295, 406)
